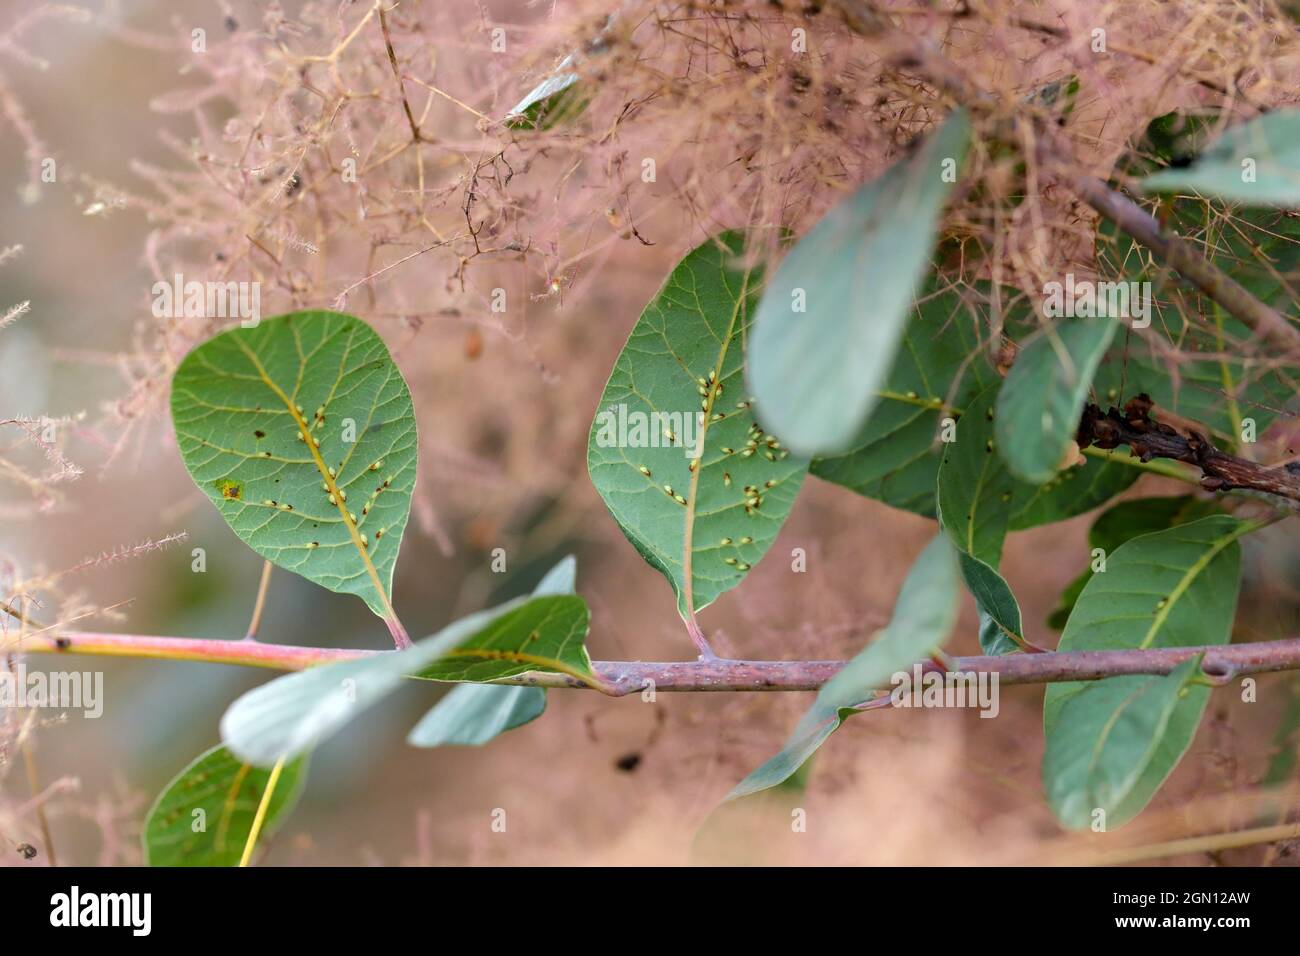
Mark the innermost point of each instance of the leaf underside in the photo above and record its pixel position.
(1172, 588)
(204, 815)
(241, 400)
(703, 529)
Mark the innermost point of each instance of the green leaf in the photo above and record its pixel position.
(1125, 521)
(832, 317)
(1074, 490)
(923, 618)
(942, 360)
(1108, 737)
(203, 817)
(895, 457)
(1257, 162)
(1258, 247)
(241, 400)
(291, 715)
(473, 714)
(1001, 630)
(1171, 588)
(975, 494)
(974, 489)
(544, 634)
(1044, 393)
(701, 527)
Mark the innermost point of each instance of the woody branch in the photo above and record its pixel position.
(1222, 663)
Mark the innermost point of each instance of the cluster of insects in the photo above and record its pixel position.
(336, 495)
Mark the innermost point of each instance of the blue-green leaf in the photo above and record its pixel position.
(1171, 588)
(1044, 393)
(1257, 162)
(923, 618)
(832, 316)
(473, 714)
(1107, 738)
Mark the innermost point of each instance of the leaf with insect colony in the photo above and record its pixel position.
(1172, 588)
(301, 432)
(204, 816)
(923, 617)
(694, 480)
(833, 315)
(290, 715)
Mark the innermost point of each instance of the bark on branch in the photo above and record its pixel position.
(1148, 439)
(1222, 663)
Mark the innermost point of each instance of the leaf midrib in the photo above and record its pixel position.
(1190, 575)
(688, 571)
(329, 480)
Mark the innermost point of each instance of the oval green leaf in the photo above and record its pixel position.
(1043, 396)
(1171, 588)
(1109, 734)
(676, 396)
(301, 432)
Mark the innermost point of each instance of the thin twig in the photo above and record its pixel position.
(262, 586)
